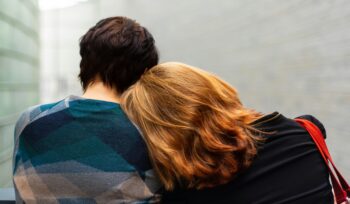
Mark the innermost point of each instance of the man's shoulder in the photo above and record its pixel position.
(35, 112)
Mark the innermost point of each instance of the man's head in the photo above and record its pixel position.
(118, 51)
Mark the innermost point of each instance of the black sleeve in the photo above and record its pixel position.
(316, 122)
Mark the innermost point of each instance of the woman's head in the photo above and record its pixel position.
(195, 127)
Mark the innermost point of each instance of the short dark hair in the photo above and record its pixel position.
(118, 50)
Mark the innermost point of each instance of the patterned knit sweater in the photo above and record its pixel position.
(81, 151)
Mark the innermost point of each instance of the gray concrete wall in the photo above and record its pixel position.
(291, 56)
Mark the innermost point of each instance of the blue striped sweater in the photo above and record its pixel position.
(81, 151)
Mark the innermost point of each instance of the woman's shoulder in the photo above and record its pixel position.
(277, 122)
(315, 121)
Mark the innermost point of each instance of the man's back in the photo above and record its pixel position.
(81, 151)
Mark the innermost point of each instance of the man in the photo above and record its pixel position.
(85, 149)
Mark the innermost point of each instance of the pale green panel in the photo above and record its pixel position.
(15, 70)
(6, 172)
(6, 144)
(34, 3)
(19, 72)
(15, 101)
(28, 15)
(9, 7)
(25, 43)
(6, 138)
(5, 34)
(19, 27)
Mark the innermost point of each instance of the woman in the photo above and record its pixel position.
(206, 147)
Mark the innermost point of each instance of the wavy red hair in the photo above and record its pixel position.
(197, 131)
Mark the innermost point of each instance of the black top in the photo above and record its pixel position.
(287, 169)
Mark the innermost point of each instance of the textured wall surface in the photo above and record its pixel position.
(19, 72)
(289, 56)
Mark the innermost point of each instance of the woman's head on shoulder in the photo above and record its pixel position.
(197, 131)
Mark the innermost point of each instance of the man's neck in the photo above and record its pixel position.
(99, 91)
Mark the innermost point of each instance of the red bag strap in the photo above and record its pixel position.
(340, 186)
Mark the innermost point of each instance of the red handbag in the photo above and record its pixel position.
(340, 186)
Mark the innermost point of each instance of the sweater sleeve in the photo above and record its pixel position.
(316, 122)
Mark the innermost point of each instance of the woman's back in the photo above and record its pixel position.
(287, 169)
(201, 137)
